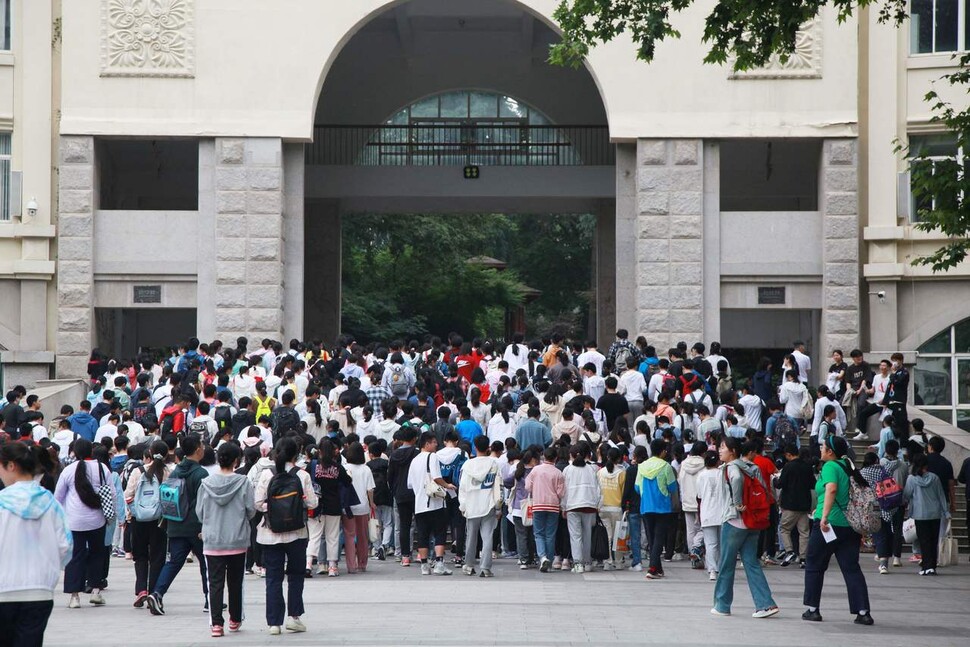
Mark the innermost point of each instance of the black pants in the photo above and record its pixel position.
(289, 559)
(108, 548)
(768, 539)
(148, 545)
(928, 533)
(845, 547)
(405, 511)
(254, 556)
(564, 546)
(457, 523)
(86, 568)
(657, 526)
(866, 412)
(428, 524)
(225, 571)
(24, 623)
(900, 421)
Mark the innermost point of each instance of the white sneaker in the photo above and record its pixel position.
(859, 436)
(74, 602)
(578, 568)
(765, 613)
(883, 570)
(712, 576)
(426, 568)
(441, 569)
(636, 567)
(97, 599)
(275, 630)
(295, 624)
(896, 562)
(715, 612)
(678, 557)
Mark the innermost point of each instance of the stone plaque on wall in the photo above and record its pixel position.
(771, 296)
(147, 38)
(147, 294)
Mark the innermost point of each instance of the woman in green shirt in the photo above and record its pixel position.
(832, 488)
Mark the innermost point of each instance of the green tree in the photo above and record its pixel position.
(748, 32)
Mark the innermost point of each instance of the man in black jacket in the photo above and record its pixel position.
(897, 393)
(397, 479)
(796, 482)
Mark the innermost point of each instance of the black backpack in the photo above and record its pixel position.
(285, 510)
(285, 419)
(223, 418)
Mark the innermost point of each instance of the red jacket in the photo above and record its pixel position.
(178, 418)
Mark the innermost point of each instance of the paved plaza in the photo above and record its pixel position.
(390, 605)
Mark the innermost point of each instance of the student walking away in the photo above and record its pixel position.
(430, 515)
(480, 503)
(399, 465)
(283, 495)
(179, 494)
(452, 459)
(612, 481)
(547, 487)
(32, 568)
(356, 546)
(148, 539)
(713, 502)
(925, 497)
(514, 482)
(889, 495)
(747, 515)
(795, 482)
(330, 477)
(383, 501)
(939, 465)
(631, 506)
(690, 470)
(580, 504)
(224, 506)
(833, 489)
(656, 484)
(81, 493)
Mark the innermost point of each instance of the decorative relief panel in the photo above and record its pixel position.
(803, 63)
(147, 38)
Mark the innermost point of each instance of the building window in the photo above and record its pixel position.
(941, 380)
(940, 152)
(938, 26)
(4, 24)
(4, 176)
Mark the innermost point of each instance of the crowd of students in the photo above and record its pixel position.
(275, 462)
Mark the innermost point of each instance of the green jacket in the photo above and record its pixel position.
(192, 473)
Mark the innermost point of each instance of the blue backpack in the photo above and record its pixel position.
(172, 499)
(147, 504)
(451, 472)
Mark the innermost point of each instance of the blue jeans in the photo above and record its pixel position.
(845, 547)
(732, 542)
(544, 525)
(293, 556)
(633, 519)
(178, 549)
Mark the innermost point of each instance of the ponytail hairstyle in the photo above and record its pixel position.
(314, 407)
(82, 484)
(529, 456)
(474, 396)
(286, 452)
(503, 410)
(158, 453)
(325, 451)
(823, 392)
(517, 339)
(613, 457)
(25, 457)
(579, 453)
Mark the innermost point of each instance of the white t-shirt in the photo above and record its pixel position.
(804, 365)
(418, 475)
(136, 432)
(106, 431)
(593, 357)
(363, 481)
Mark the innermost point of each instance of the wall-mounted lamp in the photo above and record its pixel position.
(32, 208)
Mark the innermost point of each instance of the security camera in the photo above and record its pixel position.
(881, 294)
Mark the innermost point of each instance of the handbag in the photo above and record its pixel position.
(949, 549)
(106, 494)
(431, 488)
(621, 535)
(374, 530)
(527, 511)
(599, 542)
(909, 530)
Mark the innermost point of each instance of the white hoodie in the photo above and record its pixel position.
(480, 491)
(687, 480)
(36, 543)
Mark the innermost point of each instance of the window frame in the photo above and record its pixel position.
(955, 407)
(961, 161)
(962, 44)
(6, 160)
(6, 33)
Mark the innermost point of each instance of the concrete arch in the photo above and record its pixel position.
(935, 324)
(381, 7)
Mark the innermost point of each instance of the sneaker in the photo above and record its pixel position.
(916, 558)
(864, 619)
(523, 565)
(261, 571)
(557, 564)
(896, 562)
(379, 554)
(679, 557)
(441, 569)
(715, 612)
(333, 572)
(578, 568)
(458, 561)
(250, 571)
(789, 558)
(636, 567)
(425, 568)
(217, 632)
(74, 602)
(566, 564)
(97, 600)
(883, 570)
(405, 561)
(308, 573)
(486, 573)
(654, 573)
(695, 561)
(295, 624)
(812, 616)
(140, 600)
(712, 576)
(929, 571)
(234, 626)
(801, 564)
(205, 606)
(398, 557)
(154, 603)
(190, 559)
(468, 570)
(859, 436)
(765, 613)
(509, 554)
(544, 566)
(668, 559)
(275, 630)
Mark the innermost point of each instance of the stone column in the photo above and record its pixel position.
(669, 272)
(605, 273)
(249, 238)
(840, 247)
(77, 198)
(626, 242)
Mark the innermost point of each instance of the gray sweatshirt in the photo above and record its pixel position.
(225, 506)
(924, 496)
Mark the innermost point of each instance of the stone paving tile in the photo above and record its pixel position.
(390, 605)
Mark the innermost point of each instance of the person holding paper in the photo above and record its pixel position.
(832, 535)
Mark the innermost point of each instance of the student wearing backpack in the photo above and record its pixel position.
(148, 539)
(284, 495)
(830, 516)
(878, 478)
(747, 515)
(781, 430)
(452, 458)
(398, 378)
(182, 524)
(224, 506)
(356, 546)
(383, 501)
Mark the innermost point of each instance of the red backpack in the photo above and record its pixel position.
(757, 506)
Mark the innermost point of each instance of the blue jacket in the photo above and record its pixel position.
(468, 430)
(651, 499)
(532, 432)
(84, 425)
